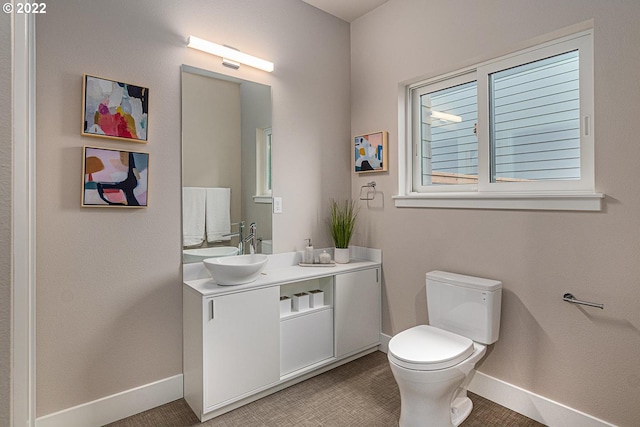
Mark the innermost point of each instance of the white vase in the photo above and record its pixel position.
(341, 255)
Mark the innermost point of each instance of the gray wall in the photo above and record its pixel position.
(5, 216)
(584, 358)
(109, 305)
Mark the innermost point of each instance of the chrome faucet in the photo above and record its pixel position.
(240, 235)
(242, 240)
(253, 232)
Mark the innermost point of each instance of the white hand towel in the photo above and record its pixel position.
(218, 213)
(193, 211)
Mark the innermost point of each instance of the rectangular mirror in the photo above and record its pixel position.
(226, 164)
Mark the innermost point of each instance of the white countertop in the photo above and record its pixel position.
(282, 270)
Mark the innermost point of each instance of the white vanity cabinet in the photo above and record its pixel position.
(357, 310)
(241, 336)
(231, 346)
(239, 344)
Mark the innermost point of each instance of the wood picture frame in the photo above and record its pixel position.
(371, 152)
(114, 178)
(112, 109)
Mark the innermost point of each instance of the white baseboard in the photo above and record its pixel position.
(116, 407)
(534, 406)
(140, 399)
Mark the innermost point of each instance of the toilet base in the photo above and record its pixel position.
(435, 398)
(460, 410)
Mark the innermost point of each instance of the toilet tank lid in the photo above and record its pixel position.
(463, 280)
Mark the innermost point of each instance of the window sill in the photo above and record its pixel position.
(262, 199)
(577, 201)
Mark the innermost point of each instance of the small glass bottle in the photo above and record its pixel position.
(325, 258)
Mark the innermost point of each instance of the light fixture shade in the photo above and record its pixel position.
(229, 53)
(231, 64)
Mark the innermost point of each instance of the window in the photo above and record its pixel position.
(510, 132)
(263, 166)
(535, 121)
(446, 146)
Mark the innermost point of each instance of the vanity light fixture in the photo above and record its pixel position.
(230, 57)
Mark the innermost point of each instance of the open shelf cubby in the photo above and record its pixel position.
(324, 284)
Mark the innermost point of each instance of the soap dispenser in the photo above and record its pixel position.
(308, 252)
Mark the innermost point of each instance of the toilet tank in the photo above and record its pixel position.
(465, 305)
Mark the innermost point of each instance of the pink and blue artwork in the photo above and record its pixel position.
(371, 152)
(114, 109)
(114, 178)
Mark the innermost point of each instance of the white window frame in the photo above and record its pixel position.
(547, 195)
(445, 82)
(263, 192)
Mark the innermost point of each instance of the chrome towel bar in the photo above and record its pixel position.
(370, 193)
(368, 186)
(568, 297)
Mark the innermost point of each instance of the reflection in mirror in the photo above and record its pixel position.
(226, 165)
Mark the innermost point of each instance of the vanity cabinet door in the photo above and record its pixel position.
(242, 344)
(357, 310)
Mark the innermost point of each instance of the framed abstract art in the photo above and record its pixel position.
(113, 109)
(114, 178)
(371, 152)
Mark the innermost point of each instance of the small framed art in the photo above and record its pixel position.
(114, 178)
(112, 109)
(371, 152)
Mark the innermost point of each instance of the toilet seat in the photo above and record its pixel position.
(426, 348)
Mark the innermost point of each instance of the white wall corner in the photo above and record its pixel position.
(384, 343)
(118, 406)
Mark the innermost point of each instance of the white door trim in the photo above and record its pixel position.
(23, 251)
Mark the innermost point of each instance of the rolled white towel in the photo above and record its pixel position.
(218, 213)
(193, 215)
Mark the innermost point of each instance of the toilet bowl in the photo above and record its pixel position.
(432, 363)
(430, 383)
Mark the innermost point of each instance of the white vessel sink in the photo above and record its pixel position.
(200, 254)
(236, 270)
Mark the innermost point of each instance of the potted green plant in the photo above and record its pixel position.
(342, 220)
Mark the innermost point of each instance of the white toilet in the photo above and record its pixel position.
(431, 363)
